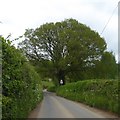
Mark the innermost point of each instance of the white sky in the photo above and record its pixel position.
(18, 15)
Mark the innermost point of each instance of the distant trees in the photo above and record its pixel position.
(106, 67)
(69, 48)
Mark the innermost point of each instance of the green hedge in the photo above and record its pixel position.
(52, 89)
(102, 94)
(47, 84)
(22, 89)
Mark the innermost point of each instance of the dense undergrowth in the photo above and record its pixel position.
(22, 89)
(102, 94)
(49, 86)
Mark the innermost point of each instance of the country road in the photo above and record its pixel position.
(53, 106)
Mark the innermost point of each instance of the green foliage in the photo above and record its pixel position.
(69, 46)
(118, 73)
(22, 88)
(107, 67)
(97, 93)
(52, 89)
(43, 68)
(0, 79)
(47, 84)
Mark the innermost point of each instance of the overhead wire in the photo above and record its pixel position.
(109, 20)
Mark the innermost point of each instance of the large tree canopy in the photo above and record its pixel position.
(69, 45)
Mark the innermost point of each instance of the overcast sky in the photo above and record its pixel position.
(18, 15)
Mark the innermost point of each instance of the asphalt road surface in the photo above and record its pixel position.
(53, 106)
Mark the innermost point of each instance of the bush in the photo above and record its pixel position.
(47, 84)
(96, 93)
(52, 89)
(22, 89)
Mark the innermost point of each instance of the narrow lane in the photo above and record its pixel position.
(53, 106)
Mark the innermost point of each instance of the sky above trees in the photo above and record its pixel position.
(16, 16)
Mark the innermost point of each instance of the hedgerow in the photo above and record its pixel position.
(21, 85)
(102, 94)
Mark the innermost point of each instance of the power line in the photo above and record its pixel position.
(108, 20)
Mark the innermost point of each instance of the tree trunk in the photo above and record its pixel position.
(61, 77)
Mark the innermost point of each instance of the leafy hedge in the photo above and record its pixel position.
(47, 84)
(21, 84)
(102, 94)
(52, 89)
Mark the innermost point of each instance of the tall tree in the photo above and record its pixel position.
(69, 45)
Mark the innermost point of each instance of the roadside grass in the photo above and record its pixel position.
(102, 94)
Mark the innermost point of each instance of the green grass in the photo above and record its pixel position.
(102, 94)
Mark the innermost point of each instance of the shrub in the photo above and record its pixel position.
(22, 88)
(52, 89)
(97, 93)
(47, 84)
